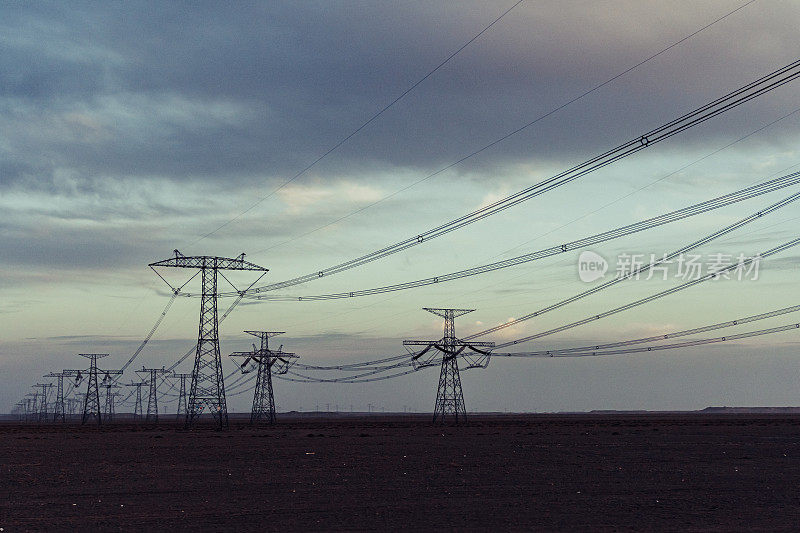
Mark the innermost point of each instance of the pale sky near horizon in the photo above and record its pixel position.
(133, 129)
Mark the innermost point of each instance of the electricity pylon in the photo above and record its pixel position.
(59, 408)
(449, 395)
(208, 389)
(42, 416)
(76, 402)
(91, 402)
(109, 385)
(30, 406)
(181, 395)
(267, 362)
(137, 406)
(152, 399)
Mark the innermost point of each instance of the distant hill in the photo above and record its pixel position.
(750, 410)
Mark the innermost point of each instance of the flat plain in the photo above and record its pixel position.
(592, 472)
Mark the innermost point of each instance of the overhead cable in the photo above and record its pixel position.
(725, 103)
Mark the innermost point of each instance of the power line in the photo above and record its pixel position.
(725, 103)
(408, 360)
(680, 214)
(648, 299)
(358, 367)
(604, 349)
(306, 379)
(666, 336)
(716, 151)
(638, 271)
(364, 125)
(752, 90)
(675, 127)
(681, 169)
(151, 333)
(510, 134)
(370, 375)
(727, 239)
(684, 344)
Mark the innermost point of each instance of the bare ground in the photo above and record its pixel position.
(543, 472)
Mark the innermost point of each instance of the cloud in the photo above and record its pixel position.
(302, 198)
(138, 127)
(253, 94)
(82, 338)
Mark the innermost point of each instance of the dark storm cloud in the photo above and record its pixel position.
(255, 92)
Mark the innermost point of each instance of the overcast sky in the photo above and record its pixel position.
(132, 129)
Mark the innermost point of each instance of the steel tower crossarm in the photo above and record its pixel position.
(208, 261)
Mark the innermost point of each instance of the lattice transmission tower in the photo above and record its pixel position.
(137, 406)
(449, 395)
(152, 397)
(181, 395)
(59, 408)
(267, 362)
(72, 405)
(30, 407)
(110, 399)
(43, 403)
(91, 401)
(19, 410)
(208, 389)
(77, 402)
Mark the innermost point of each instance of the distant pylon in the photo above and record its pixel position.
(267, 362)
(60, 411)
(208, 388)
(76, 402)
(449, 395)
(91, 402)
(152, 399)
(30, 407)
(42, 416)
(61, 401)
(137, 406)
(181, 414)
(110, 400)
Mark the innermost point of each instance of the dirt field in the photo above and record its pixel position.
(582, 472)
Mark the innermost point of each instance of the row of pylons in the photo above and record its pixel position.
(206, 392)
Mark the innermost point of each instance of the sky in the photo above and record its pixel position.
(133, 129)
